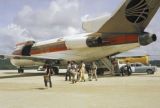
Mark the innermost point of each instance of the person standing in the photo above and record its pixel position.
(129, 70)
(73, 72)
(78, 72)
(68, 73)
(89, 71)
(123, 70)
(82, 71)
(94, 71)
(47, 77)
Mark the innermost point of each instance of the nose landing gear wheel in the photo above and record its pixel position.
(20, 70)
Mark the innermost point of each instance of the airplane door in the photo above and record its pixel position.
(26, 50)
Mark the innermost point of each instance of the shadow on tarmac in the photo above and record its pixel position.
(21, 75)
(134, 74)
(15, 75)
(40, 88)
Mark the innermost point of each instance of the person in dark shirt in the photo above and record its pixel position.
(128, 68)
(47, 77)
(68, 73)
(123, 70)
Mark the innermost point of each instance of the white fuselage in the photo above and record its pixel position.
(80, 51)
(76, 48)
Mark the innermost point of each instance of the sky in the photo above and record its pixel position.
(22, 20)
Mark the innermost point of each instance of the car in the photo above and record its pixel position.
(141, 68)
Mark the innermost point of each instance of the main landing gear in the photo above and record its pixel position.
(56, 70)
(20, 70)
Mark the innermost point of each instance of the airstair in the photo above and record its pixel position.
(106, 63)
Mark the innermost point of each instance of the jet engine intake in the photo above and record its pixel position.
(83, 42)
(94, 41)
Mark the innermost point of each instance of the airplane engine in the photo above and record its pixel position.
(147, 38)
(24, 48)
(76, 43)
(83, 42)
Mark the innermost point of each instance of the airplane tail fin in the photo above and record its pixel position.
(133, 16)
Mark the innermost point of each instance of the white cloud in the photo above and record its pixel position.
(85, 17)
(11, 35)
(71, 30)
(60, 16)
(26, 11)
(89, 17)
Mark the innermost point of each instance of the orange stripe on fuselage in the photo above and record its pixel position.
(49, 48)
(120, 39)
(60, 46)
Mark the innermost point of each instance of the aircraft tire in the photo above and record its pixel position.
(56, 70)
(20, 70)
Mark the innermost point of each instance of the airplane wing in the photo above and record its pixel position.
(131, 17)
(36, 58)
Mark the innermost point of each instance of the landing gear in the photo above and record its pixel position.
(149, 71)
(56, 70)
(105, 65)
(20, 70)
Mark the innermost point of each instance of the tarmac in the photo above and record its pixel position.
(27, 91)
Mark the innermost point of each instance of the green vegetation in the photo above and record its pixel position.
(5, 64)
(155, 63)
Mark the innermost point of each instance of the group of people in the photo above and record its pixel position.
(74, 72)
(77, 72)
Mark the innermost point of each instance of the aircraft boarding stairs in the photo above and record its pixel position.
(106, 63)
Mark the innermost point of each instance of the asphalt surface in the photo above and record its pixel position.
(27, 91)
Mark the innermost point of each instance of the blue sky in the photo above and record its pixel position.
(21, 20)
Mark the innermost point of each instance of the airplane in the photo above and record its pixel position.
(104, 37)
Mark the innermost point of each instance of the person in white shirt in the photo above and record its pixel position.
(82, 71)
